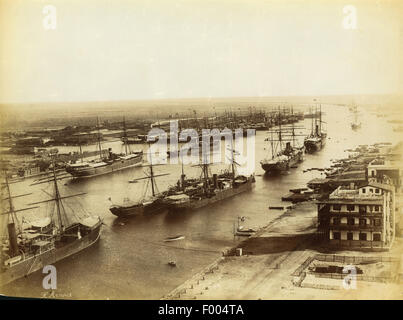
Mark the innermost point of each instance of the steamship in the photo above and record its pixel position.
(25, 250)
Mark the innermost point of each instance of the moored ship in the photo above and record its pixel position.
(106, 164)
(197, 193)
(139, 139)
(317, 138)
(220, 187)
(282, 158)
(113, 162)
(151, 204)
(356, 124)
(28, 249)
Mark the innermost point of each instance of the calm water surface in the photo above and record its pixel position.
(130, 260)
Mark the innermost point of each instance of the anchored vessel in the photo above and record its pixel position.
(106, 164)
(282, 158)
(356, 124)
(317, 139)
(196, 193)
(44, 242)
(139, 139)
(146, 205)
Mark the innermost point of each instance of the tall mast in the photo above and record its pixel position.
(320, 119)
(125, 134)
(292, 123)
(152, 174)
(311, 111)
(57, 197)
(279, 126)
(316, 122)
(81, 151)
(10, 201)
(99, 140)
(13, 242)
(232, 158)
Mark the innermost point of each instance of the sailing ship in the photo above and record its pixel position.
(356, 124)
(146, 205)
(317, 138)
(105, 164)
(27, 249)
(282, 157)
(191, 194)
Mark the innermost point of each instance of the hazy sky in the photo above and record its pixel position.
(123, 50)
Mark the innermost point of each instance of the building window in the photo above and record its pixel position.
(363, 209)
(363, 236)
(377, 208)
(350, 207)
(349, 236)
(372, 173)
(363, 222)
(376, 190)
(337, 207)
(336, 236)
(336, 221)
(350, 221)
(376, 237)
(364, 190)
(377, 222)
(371, 190)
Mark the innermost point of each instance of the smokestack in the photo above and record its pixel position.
(13, 240)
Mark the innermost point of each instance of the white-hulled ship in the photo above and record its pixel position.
(106, 164)
(25, 250)
(282, 157)
(317, 138)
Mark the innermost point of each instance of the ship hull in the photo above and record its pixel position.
(113, 167)
(223, 194)
(38, 261)
(134, 210)
(312, 147)
(283, 165)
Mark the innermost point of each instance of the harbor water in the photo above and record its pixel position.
(130, 261)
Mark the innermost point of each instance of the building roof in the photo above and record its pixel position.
(380, 185)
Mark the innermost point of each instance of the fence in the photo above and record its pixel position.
(300, 271)
(353, 259)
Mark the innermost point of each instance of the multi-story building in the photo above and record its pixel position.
(378, 168)
(359, 217)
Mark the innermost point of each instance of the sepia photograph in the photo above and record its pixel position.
(213, 150)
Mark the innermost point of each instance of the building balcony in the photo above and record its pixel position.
(355, 227)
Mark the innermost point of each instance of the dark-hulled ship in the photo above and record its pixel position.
(317, 138)
(27, 249)
(282, 157)
(191, 194)
(151, 204)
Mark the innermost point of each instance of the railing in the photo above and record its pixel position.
(345, 226)
(353, 259)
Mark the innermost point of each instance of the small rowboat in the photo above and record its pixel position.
(175, 238)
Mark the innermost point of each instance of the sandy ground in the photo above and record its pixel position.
(265, 269)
